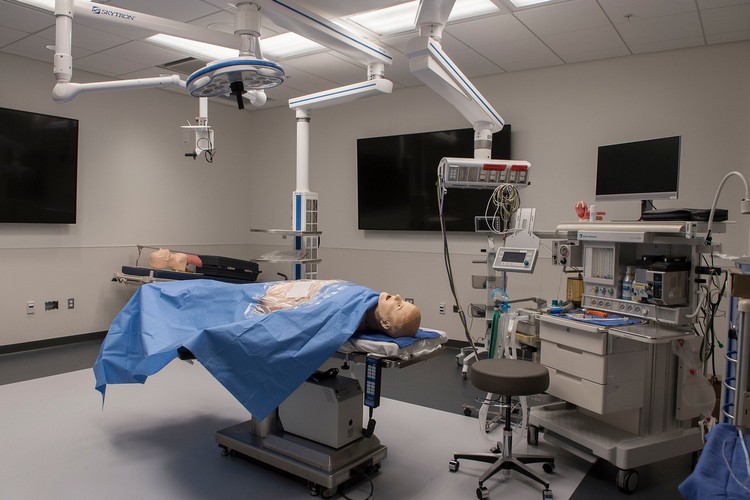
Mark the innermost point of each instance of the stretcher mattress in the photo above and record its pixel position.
(142, 275)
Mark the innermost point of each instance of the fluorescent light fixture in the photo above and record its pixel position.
(527, 3)
(41, 4)
(400, 18)
(279, 46)
(200, 50)
(288, 45)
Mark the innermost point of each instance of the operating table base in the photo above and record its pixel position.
(320, 465)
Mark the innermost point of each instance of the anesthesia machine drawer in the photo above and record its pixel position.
(613, 368)
(589, 338)
(599, 398)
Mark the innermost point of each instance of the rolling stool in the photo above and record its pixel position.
(508, 377)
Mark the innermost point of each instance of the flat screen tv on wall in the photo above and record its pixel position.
(38, 168)
(397, 175)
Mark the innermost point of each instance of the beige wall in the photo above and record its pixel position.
(136, 187)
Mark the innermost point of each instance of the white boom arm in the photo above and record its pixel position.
(318, 29)
(429, 63)
(93, 14)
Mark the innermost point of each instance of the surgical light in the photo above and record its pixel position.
(400, 18)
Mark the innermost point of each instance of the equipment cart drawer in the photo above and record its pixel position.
(612, 368)
(599, 398)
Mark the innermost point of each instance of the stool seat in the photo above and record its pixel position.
(512, 377)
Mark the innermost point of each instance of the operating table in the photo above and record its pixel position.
(304, 422)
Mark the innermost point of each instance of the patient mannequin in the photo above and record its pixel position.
(392, 315)
(176, 261)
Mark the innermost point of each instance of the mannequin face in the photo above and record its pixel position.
(396, 316)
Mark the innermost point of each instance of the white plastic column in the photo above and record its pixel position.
(304, 202)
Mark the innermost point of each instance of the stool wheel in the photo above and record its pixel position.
(483, 493)
(547, 495)
(548, 467)
(453, 465)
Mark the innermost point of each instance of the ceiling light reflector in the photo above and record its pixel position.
(400, 18)
(199, 50)
(527, 3)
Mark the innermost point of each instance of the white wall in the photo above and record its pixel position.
(136, 187)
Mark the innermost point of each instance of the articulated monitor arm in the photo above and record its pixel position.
(429, 63)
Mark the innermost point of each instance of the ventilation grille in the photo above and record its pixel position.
(186, 66)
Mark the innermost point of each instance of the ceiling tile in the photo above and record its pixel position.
(24, 18)
(305, 82)
(490, 30)
(506, 42)
(520, 55)
(9, 35)
(712, 4)
(734, 36)
(178, 10)
(682, 43)
(660, 29)
(602, 38)
(595, 54)
(32, 47)
(91, 39)
(335, 69)
(472, 63)
(144, 53)
(726, 20)
(563, 17)
(104, 64)
(635, 10)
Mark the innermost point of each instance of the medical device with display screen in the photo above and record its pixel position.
(643, 170)
(518, 260)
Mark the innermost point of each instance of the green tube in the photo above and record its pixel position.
(493, 334)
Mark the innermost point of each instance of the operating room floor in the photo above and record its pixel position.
(435, 384)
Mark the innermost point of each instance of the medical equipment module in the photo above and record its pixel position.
(626, 381)
(338, 403)
(483, 173)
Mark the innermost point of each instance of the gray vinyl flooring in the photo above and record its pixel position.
(436, 384)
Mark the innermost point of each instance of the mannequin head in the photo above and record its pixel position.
(396, 317)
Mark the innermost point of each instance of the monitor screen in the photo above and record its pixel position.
(38, 168)
(643, 170)
(397, 175)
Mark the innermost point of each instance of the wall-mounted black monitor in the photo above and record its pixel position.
(38, 168)
(396, 180)
(643, 170)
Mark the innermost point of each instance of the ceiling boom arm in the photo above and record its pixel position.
(429, 63)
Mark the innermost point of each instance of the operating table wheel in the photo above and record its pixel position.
(483, 493)
(453, 465)
(627, 480)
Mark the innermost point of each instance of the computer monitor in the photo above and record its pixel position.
(643, 170)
